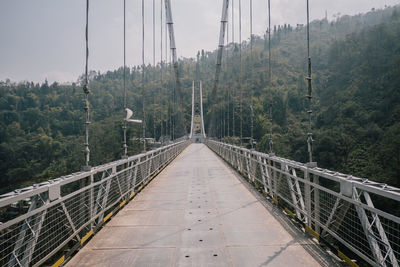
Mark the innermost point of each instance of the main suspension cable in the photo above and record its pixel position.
(87, 91)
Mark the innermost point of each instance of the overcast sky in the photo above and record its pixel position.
(45, 38)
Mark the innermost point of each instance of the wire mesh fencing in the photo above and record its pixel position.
(350, 214)
(39, 222)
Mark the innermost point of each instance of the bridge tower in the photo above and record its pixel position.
(197, 133)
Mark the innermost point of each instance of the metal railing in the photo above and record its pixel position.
(39, 222)
(345, 212)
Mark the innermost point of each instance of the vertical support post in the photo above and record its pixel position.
(316, 204)
(91, 200)
(307, 191)
(134, 178)
(203, 132)
(276, 180)
(36, 228)
(192, 120)
(369, 234)
(264, 172)
(22, 233)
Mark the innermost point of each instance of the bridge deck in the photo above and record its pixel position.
(198, 213)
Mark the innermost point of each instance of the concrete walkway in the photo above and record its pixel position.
(197, 212)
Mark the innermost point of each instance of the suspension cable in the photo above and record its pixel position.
(143, 73)
(233, 22)
(240, 74)
(251, 71)
(309, 96)
(154, 66)
(173, 100)
(226, 118)
(233, 89)
(125, 146)
(173, 115)
(87, 91)
(251, 26)
(161, 67)
(168, 124)
(271, 142)
(228, 91)
(269, 41)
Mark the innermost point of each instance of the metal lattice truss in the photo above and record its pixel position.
(39, 221)
(350, 212)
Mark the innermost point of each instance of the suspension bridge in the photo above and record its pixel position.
(200, 202)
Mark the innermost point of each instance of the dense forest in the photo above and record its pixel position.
(356, 104)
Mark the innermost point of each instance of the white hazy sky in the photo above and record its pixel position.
(45, 38)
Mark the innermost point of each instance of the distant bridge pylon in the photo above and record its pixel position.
(197, 133)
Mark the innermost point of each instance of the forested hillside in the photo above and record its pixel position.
(356, 119)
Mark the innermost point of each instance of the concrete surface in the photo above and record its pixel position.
(198, 212)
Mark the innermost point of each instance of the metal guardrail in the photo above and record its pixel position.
(41, 221)
(340, 210)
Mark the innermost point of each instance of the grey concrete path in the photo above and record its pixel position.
(197, 212)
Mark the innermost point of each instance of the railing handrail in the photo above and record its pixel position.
(18, 194)
(41, 220)
(336, 208)
(365, 184)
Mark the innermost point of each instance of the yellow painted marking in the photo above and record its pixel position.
(347, 259)
(275, 200)
(133, 194)
(122, 204)
(311, 231)
(289, 212)
(59, 262)
(86, 237)
(108, 217)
